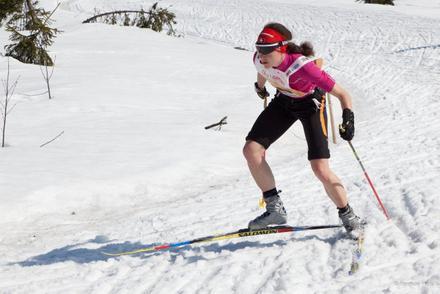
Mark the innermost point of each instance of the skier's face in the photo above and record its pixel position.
(273, 59)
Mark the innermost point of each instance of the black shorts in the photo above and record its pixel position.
(283, 111)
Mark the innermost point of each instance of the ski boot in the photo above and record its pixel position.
(275, 214)
(351, 222)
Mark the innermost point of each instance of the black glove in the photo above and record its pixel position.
(346, 130)
(262, 93)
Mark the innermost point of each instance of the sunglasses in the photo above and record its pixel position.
(268, 48)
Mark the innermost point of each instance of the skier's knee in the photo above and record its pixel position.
(322, 172)
(253, 151)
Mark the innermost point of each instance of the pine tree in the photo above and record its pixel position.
(30, 34)
(8, 7)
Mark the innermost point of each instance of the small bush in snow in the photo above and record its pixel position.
(155, 18)
(384, 2)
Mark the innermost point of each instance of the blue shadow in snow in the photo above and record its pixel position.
(77, 254)
(85, 255)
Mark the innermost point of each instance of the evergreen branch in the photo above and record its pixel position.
(11, 29)
(32, 12)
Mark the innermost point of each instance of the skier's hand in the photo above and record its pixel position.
(346, 129)
(262, 93)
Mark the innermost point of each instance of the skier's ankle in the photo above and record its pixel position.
(270, 193)
(344, 209)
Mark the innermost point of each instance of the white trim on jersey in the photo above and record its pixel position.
(298, 64)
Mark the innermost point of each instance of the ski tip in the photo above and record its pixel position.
(353, 269)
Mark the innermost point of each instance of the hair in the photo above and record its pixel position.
(305, 48)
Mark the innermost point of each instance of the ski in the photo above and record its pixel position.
(231, 235)
(357, 252)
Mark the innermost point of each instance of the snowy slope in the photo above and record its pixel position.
(135, 166)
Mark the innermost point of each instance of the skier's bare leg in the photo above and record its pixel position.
(332, 184)
(258, 166)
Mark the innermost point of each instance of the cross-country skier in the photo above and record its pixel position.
(300, 85)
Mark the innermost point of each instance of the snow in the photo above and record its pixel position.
(136, 167)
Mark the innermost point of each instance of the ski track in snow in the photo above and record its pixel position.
(390, 62)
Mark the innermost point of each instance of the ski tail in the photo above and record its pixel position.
(236, 234)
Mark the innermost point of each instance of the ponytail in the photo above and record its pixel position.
(306, 49)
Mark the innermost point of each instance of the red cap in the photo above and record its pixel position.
(271, 36)
(268, 36)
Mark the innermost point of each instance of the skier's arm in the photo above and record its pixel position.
(346, 129)
(260, 81)
(342, 95)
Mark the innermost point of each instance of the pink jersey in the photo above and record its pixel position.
(297, 76)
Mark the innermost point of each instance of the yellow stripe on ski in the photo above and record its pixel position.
(150, 249)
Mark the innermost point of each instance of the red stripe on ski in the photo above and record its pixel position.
(284, 230)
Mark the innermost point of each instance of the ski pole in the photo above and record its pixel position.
(332, 120)
(369, 181)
